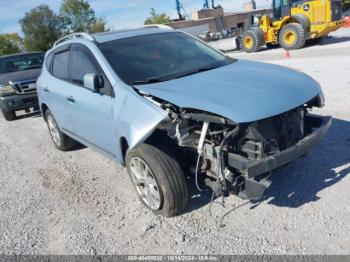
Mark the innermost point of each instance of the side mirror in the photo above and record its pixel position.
(93, 82)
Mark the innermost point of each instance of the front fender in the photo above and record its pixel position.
(135, 118)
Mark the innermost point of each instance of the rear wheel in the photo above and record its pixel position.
(9, 115)
(60, 140)
(292, 36)
(158, 179)
(252, 40)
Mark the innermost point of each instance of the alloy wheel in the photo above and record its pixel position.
(53, 129)
(145, 183)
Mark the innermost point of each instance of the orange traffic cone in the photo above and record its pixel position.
(347, 21)
(287, 55)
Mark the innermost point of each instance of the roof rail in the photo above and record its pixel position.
(74, 35)
(158, 26)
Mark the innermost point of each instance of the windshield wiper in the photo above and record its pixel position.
(198, 70)
(150, 80)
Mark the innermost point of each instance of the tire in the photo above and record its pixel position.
(158, 179)
(303, 20)
(252, 40)
(9, 115)
(292, 36)
(60, 140)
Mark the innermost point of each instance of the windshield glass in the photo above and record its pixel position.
(160, 57)
(21, 62)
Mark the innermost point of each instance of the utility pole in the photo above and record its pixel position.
(178, 9)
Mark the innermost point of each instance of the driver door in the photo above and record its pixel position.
(91, 111)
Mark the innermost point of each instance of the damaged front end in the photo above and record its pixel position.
(238, 158)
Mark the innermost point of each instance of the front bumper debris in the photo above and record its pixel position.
(252, 169)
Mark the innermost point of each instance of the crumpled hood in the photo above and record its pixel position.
(19, 76)
(243, 91)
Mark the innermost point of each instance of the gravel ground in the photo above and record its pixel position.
(81, 203)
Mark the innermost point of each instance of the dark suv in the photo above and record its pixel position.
(18, 74)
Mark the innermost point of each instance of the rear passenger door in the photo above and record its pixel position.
(55, 89)
(91, 111)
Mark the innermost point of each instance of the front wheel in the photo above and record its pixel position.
(9, 115)
(292, 36)
(158, 179)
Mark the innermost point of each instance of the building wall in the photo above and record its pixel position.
(249, 5)
(196, 30)
(207, 13)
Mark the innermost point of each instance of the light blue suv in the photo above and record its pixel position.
(164, 104)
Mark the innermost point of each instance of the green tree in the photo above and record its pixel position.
(41, 28)
(78, 16)
(10, 43)
(99, 25)
(157, 18)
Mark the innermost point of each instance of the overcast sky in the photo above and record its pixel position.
(119, 14)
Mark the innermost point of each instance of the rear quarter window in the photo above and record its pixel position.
(48, 61)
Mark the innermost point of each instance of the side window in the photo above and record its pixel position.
(82, 64)
(60, 65)
(48, 61)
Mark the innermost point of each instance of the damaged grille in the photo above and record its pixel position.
(274, 134)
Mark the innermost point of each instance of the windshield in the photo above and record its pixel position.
(21, 62)
(160, 57)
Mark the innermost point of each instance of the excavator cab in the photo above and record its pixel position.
(281, 8)
(292, 23)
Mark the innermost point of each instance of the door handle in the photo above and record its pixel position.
(71, 99)
(46, 90)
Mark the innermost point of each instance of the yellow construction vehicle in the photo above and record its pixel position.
(293, 22)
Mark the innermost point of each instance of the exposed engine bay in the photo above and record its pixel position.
(237, 158)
